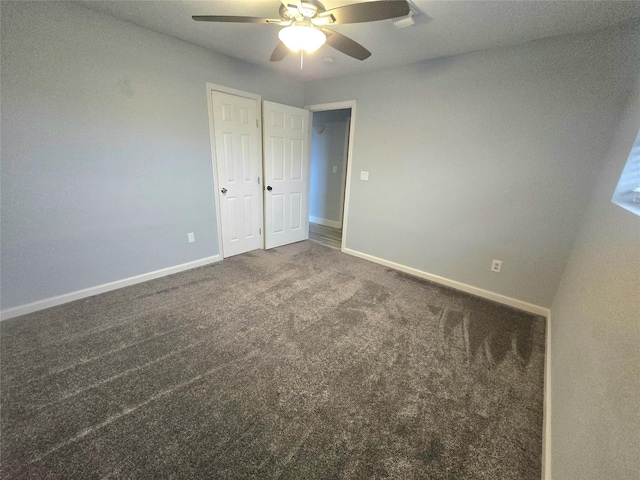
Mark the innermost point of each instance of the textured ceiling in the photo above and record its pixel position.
(442, 28)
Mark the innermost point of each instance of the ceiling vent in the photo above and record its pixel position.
(407, 20)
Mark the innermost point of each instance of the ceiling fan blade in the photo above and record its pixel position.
(279, 52)
(233, 19)
(368, 11)
(346, 45)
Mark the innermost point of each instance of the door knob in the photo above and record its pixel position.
(224, 190)
(269, 188)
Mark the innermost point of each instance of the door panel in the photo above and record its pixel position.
(296, 210)
(286, 169)
(239, 167)
(277, 213)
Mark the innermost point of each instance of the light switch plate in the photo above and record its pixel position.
(364, 175)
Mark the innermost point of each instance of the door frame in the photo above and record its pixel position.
(212, 87)
(321, 107)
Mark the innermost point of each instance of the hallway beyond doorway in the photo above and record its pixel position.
(328, 236)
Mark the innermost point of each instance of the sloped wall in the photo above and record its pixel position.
(595, 335)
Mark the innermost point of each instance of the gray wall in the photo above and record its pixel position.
(489, 155)
(328, 150)
(595, 335)
(106, 162)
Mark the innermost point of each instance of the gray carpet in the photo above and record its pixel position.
(300, 362)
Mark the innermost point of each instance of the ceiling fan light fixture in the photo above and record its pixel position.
(302, 36)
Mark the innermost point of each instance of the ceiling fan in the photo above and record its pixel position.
(306, 22)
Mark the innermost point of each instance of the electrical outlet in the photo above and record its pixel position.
(496, 266)
(364, 175)
(191, 237)
(335, 169)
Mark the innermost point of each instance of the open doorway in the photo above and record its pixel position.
(330, 148)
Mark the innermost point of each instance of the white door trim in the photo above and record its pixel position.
(212, 87)
(343, 175)
(337, 106)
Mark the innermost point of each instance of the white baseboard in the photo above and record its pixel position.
(107, 287)
(496, 297)
(546, 438)
(324, 221)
